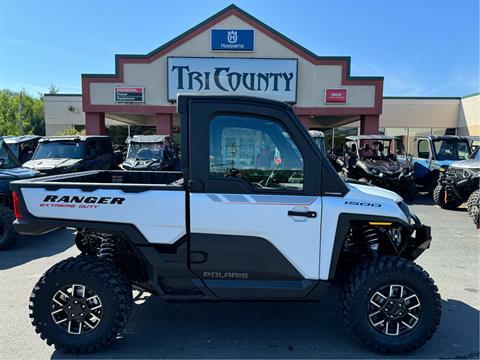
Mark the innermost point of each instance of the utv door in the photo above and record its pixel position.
(255, 204)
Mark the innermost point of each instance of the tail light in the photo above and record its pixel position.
(16, 208)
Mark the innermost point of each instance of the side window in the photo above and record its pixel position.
(257, 150)
(423, 149)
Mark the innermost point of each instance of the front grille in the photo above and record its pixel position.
(456, 172)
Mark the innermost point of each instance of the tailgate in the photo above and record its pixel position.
(158, 214)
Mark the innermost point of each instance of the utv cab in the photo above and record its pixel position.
(22, 146)
(149, 152)
(434, 154)
(65, 154)
(378, 160)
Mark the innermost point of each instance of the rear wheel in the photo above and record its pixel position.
(473, 207)
(439, 199)
(81, 304)
(391, 305)
(8, 235)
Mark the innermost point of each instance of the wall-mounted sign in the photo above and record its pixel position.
(128, 94)
(335, 96)
(232, 40)
(268, 78)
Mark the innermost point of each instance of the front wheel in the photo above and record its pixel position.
(391, 305)
(473, 207)
(439, 198)
(81, 304)
(409, 189)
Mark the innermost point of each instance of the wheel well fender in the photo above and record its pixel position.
(344, 224)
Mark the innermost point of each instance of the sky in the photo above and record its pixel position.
(421, 47)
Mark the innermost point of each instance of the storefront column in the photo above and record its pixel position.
(163, 124)
(369, 124)
(304, 120)
(95, 123)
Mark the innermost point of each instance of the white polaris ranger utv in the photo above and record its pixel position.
(257, 212)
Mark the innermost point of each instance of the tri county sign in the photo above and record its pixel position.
(269, 78)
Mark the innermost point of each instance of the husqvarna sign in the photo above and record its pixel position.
(269, 78)
(232, 40)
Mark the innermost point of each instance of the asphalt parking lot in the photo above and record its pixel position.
(253, 330)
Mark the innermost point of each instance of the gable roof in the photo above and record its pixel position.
(251, 20)
(232, 10)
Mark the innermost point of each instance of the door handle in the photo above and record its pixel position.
(308, 214)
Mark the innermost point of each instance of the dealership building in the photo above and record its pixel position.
(233, 53)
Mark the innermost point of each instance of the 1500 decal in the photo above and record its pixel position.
(362, 203)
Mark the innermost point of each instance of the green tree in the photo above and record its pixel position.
(52, 89)
(33, 115)
(72, 131)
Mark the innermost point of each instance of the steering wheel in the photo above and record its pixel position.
(234, 172)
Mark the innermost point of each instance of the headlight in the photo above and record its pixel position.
(375, 171)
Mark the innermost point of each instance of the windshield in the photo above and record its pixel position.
(451, 149)
(377, 149)
(476, 154)
(7, 159)
(145, 151)
(59, 150)
(320, 141)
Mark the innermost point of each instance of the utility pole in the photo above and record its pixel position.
(21, 112)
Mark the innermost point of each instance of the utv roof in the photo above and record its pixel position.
(146, 139)
(20, 139)
(371, 137)
(72, 138)
(316, 133)
(183, 99)
(441, 137)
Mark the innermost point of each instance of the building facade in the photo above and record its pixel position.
(233, 53)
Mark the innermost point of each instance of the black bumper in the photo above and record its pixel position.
(419, 240)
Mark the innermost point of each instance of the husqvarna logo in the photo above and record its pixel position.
(232, 37)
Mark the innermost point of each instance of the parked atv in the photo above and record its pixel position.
(379, 160)
(149, 152)
(10, 170)
(459, 184)
(65, 154)
(433, 154)
(23, 146)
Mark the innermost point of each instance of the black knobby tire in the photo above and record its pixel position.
(8, 235)
(439, 199)
(473, 207)
(370, 276)
(113, 289)
(409, 190)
